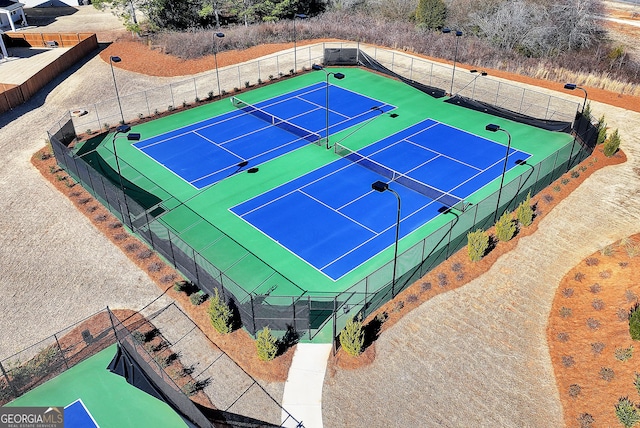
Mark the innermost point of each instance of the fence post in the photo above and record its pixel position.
(146, 100)
(309, 324)
(13, 389)
(335, 326)
(195, 89)
(522, 101)
(253, 314)
(55, 336)
(95, 107)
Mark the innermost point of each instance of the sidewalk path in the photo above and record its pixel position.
(303, 389)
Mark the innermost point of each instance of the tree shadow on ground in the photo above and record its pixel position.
(371, 330)
(291, 338)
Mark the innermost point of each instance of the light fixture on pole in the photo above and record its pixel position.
(131, 136)
(113, 59)
(381, 186)
(480, 74)
(573, 86)
(457, 33)
(495, 128)
(338, 76)
(215, 58)
(295, 51)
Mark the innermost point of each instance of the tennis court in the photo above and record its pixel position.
(306, 230)
(209, 151)
(92, 396)
(430, 165)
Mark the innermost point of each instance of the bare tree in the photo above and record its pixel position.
(575, 23)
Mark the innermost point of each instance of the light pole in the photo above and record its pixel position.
(215, 58)
(295, 52)
(381, 186)
(573, 86)
(495, 128)
(457, 33)
(131, 136)
(338, 76)
(113, 59)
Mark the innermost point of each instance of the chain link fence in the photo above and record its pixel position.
(171, 350)
(48, 358)
(144, 202)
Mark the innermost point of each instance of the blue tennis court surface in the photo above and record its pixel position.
(209, 151)
(332, 219)
(76, 415)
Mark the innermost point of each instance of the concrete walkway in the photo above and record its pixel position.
(303, 389)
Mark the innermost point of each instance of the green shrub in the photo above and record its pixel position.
(636, 382)
(634, 323)
(623, 354)
(627, 412)
(266, 345)
(198, 298)
(180, 286)
(352, 337)
(220, 314)
(431, 14)
(602, 130)
(477, 244)
(586, 112)
(505, 227)
(612, 144)
(524, 212)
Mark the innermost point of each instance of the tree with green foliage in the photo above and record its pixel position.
(524, 212)
(477, 245)
(220, 314)
(352, 337)
(431, 14)
(266, 345)
(634, 323)
(612, 144)
(505, 227)
(586, 111)
(627, 412)
(602, 130)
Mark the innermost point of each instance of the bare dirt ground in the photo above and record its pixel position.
(623, 25)
(588, 333)
(468, 357)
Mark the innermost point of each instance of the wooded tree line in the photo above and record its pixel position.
(533, 28)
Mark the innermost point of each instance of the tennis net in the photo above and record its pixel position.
(310, 136)
(400, 178)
